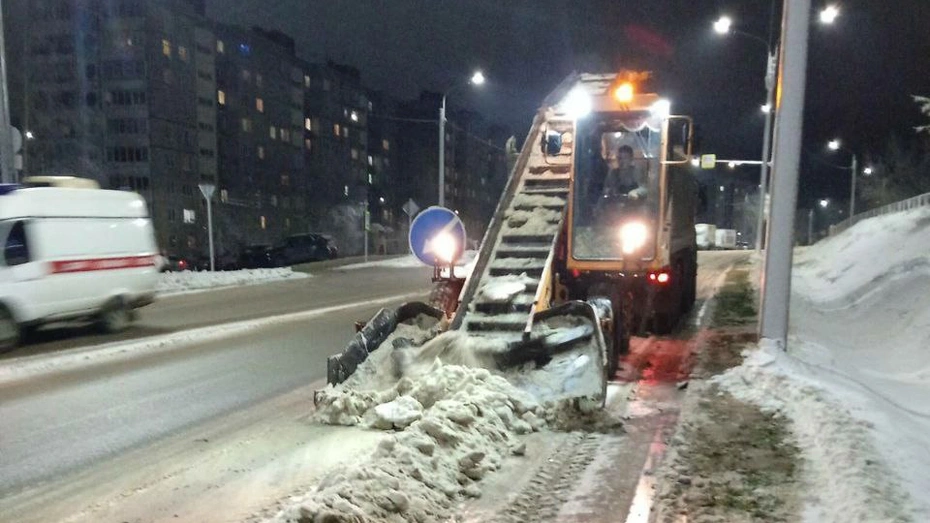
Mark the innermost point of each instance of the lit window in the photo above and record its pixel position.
(246, 75)
(224, 195)
(307, 80)
(386, 145)
(285, 135)
(190, 216)
(345, 190)
(354, 116)
(273, 200)
(182, 53)
(345, 132)
(308, 144)
(285, 180)
(245, 49)
(264, 223)
(220, 46)
(261, 152)
(355, 154)
(166, 48)
(371, 161)
(308, 124)
(259, 105)
(325, 85)
(221, 97)
(336, 130)
(273, 132)
(246, 125)
(370, 179)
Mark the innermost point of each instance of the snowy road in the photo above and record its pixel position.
(59, 423)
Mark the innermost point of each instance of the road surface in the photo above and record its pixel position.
(209, 431)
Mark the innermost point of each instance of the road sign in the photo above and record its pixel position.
(708, 161)
(435, 231)
(411, 207)
(206, 189)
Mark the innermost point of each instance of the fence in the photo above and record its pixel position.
(891, 208)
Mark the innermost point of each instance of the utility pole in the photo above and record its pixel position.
(7, 168)
(442, 152)
(810, 227)
(776, 280)
(771, 74)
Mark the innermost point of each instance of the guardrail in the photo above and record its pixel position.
(891, 208)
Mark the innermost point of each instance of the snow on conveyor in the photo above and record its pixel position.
(190, 281)
(856, 378)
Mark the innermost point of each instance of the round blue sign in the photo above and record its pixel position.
(437, 236)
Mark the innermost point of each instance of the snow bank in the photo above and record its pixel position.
(406, 262)
(844, 267)
(188, 281)
(847, 478)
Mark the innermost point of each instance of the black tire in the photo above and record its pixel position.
(115, 317)
(10, 332)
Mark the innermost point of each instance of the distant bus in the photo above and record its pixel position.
(70, 182)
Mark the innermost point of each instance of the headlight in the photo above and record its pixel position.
(578, 103)
(633, 237)
(445, 247)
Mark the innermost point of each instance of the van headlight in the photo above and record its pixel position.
(633, 236)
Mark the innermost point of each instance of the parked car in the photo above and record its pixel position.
(73, 254)
(177, 264)
(303, 248)
(255, 257)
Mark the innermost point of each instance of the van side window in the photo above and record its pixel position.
(16, 249)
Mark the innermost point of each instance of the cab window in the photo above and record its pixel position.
(16, 246)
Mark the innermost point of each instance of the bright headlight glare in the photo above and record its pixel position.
(445, 247)
(633, 237)
(578, 103)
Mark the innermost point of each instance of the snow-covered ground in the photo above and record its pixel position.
(189, 281)
(408, 262)
(856, 377)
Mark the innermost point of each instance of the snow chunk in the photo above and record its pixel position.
(397, 414)
(170, 283)
(502, 289)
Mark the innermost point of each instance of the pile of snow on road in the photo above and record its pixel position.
(188, 281)
(456, 424)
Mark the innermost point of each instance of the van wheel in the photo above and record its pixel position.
(9, 331)
(115, 317)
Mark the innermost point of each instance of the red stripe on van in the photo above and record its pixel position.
(102, 264)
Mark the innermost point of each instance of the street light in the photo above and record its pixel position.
(723, 26)
(834, 145)
(476, 79)
(824, 203)
(868, 171)
(829, 14)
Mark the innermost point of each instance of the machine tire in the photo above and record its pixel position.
(10, 332)
(445, 296)
(114, 317)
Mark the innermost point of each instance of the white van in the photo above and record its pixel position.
(73, 254)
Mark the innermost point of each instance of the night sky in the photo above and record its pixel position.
(862, 70)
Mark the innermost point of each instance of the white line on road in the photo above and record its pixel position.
(27, 366)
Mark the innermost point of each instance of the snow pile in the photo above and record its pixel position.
(846, 266)
(539, 221)
(502, 289)
(406, 262)
(460, 424)
(847, 479)
(188, 281)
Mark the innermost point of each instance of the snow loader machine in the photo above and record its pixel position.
(569, 267)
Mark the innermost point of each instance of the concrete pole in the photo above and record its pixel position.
(366, 222)
(7, 174)
(442, 152)
(852, 192)
(776, 279)
(770, 77)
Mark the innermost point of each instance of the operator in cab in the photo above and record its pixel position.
(624, 186)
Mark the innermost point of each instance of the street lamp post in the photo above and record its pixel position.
(834, 145)
(6, 132)
(724, 26)
(476, 79)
